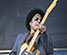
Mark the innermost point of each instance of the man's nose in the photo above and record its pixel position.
(39, 20)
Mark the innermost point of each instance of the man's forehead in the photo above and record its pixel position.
(37, 15)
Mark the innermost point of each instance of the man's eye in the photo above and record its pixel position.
(36, 19)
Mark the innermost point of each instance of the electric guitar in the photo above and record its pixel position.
(29, 49)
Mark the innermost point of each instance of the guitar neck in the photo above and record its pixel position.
(42, 22)
(33, 40)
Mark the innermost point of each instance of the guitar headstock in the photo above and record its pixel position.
(50, 8)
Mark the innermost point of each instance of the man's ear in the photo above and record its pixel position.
(29, 23)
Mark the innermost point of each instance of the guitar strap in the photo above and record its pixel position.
(29, 36)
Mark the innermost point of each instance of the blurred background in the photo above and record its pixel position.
(13, 14)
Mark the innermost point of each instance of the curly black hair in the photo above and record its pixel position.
(31, 14)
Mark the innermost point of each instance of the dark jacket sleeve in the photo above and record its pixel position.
(47, 44)
(14, 49)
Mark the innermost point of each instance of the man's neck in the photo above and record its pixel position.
(32, 31)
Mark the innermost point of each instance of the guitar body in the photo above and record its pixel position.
(24, 52)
